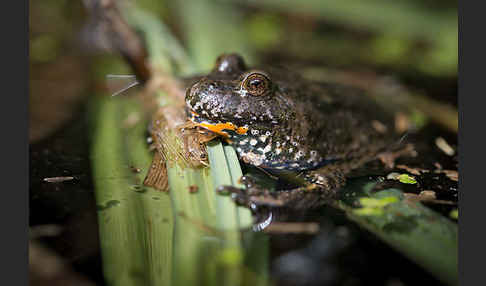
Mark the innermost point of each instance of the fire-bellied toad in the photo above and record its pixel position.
(278, 121)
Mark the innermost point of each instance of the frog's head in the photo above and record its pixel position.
(258, 111)
(232, 100)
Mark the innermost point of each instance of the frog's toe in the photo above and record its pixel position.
(326, 178)
(227, 190)
(249, 182)
(309, 197)
(251, 197)
(238, 195)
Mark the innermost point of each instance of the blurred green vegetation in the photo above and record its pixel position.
(400, 36)
(426, 237)
(54, 26)
(397, 35)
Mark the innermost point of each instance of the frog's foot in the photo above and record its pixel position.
(327, 179)
(321, 188)
(252, 195)
(253, 199)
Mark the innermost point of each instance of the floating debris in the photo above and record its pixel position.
(403, 178)
(293, 227)
(414, 171)
(378, 126)
(438, 165)
(454, 214)
(393, 176)
(193, 189)
(451, 174)
(58, 179)
(427, 195)
(406, 179)
(444, 146)
(402, 122)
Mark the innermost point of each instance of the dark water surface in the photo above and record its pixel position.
(69, 204)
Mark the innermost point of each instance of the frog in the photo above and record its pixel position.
(282, 123)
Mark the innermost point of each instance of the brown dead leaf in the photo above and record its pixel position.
(293, 227)
(451, 174)
(388, 158)
(444, 146)
(414, 171)
(402, 122)
(426, 196)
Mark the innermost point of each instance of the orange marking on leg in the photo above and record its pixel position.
(219, 127)
(242, 130)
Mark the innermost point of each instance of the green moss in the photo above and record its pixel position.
(374, 206)
(454, 214)
(406, 179)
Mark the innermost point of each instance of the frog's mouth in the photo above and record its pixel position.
(219, 128)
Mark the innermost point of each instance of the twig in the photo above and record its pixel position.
(122, 37)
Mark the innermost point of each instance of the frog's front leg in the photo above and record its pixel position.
(252, 195)
(321, 186)
(318, 187)
(328, 179)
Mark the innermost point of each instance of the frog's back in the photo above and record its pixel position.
(339, 121)
(278, 120)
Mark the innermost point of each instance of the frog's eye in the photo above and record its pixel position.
(256, 84)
